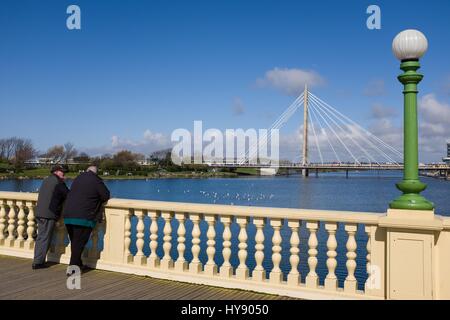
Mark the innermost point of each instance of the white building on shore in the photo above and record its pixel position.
(447, 159)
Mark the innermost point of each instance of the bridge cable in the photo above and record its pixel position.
(364, 130)
(337, 136)
(323, 131)
(280, 122)
(340, 117)
(370, 157)
(285, 116)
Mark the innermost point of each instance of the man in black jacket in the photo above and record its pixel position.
(82, 210)
(52, 194)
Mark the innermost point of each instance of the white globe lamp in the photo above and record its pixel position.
(409, 45)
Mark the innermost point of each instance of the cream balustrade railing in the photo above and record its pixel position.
(251, 248)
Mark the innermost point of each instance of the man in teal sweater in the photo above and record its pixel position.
(82, 210)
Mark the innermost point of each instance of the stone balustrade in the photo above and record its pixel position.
(313, 254)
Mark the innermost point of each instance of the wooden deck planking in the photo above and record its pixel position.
(19, 281)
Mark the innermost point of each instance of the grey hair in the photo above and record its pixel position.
(94, 169)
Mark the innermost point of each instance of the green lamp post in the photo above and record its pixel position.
(408, 46)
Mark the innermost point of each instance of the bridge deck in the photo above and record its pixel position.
(19, 281)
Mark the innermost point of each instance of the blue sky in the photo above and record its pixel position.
(154, 66)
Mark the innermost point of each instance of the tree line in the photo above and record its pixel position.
(15, 152)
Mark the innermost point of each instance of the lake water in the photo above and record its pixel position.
(363, 191)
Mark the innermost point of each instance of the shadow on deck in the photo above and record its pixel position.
(19, 281)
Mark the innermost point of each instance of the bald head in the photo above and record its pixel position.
(93, 169)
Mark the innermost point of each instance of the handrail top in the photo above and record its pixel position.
(246, 211)
(445, 222)
(371, 218)
(22, 196)
(223, 209)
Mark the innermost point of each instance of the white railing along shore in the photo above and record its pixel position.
(150, 238)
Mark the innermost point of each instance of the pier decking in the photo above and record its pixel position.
(19, 281)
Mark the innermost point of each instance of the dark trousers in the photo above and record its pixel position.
(44, 238)
(79, 236)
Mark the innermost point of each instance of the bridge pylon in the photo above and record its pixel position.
(305, 172)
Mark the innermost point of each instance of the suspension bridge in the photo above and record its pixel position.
(338, 143)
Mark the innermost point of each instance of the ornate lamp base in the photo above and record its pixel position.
(411, 199)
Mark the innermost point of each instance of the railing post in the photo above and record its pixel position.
(2, 221)
(259, 274)
(20, 225)
(195, 266)
(127, 237)
(294, 276)
(242, 270)
(276, 276)
(31, 226)
(226, 270)
(331, 282)
(153, 260)
(181, 263)
(211, 267)
(312, 279)
(139, 258)
(166, 261)
(11, 223)
(350, 283)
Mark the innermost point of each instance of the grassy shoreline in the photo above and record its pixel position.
(131, 177)
(42, 173)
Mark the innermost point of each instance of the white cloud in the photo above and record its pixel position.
(117, 142)
(434, 129)
(434, 126)
(434, 111)
(290, 81)
(388, 132)
(381, 112)
(151, 141)
(155, 138)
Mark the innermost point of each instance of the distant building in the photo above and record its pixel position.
(42, 161)
(447, 159)
(39, 161)
(146, 162)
